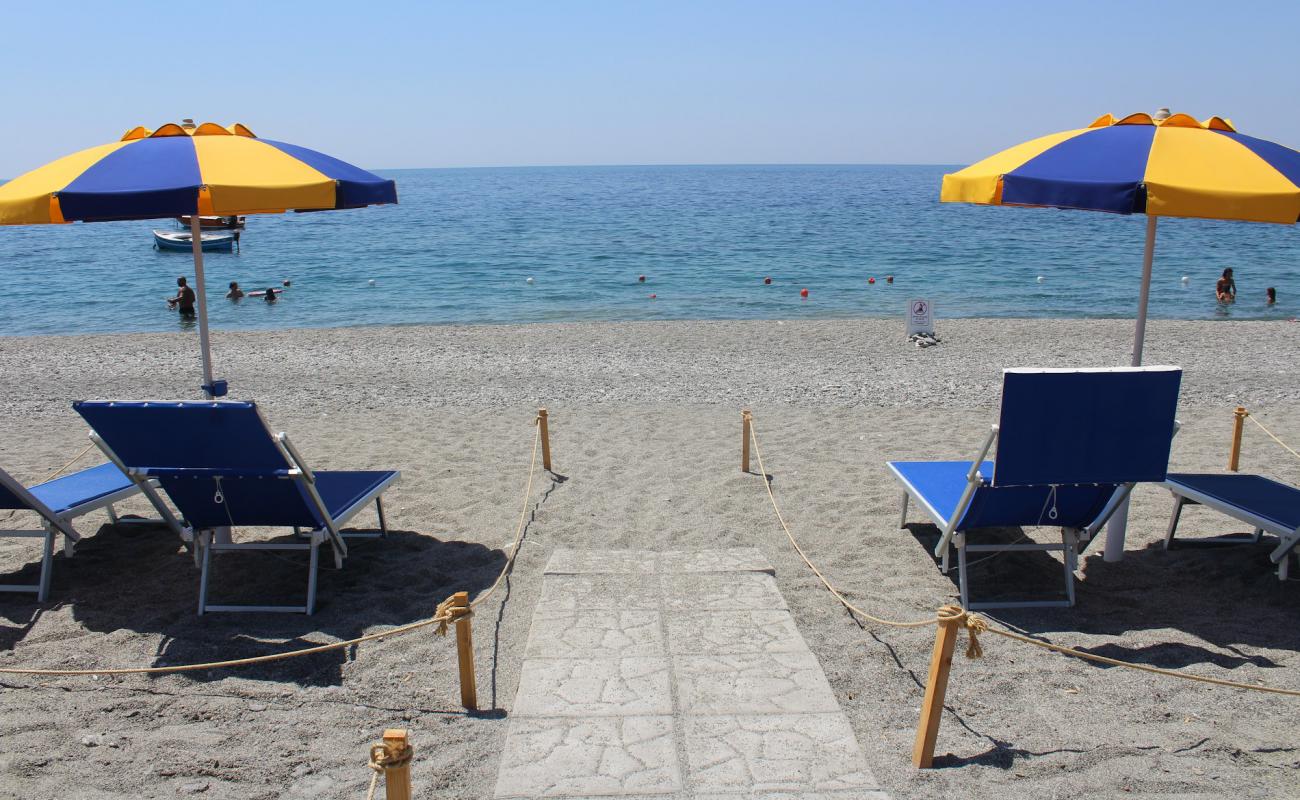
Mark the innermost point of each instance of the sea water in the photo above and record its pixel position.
(570, 243)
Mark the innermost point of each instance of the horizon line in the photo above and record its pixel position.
(689, 164)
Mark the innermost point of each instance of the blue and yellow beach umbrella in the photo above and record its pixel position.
(1162, 166)
(189, 170)
(181, 170)
(1175, 167)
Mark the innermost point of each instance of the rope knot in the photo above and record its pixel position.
(384, 757)
(449, 611)
(974, 627)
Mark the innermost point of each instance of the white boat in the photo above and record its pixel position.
(183, 240)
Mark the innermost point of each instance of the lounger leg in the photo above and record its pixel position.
(204, 540)
(960, 541)
(943, 561)
(902, 518)
(1283, 567)
(1179, 502)
(383, 526)
(311, 572)
(47, 564)
(112, 515)
(1259, 534)
(1069, 543)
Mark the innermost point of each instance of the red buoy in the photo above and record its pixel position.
(641, 278)
(889, 279)
(767, 281)
(803, 292)
(871, 280)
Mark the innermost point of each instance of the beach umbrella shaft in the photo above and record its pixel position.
(201, 297)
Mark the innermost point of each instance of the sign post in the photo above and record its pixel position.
(920, 316)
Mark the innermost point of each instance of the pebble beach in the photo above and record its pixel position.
(645, 426)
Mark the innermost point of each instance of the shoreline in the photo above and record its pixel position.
(648, 321)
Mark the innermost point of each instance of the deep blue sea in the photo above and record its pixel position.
(463, 243)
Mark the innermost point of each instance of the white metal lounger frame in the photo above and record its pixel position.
(205, 539)
(1071, 538)
(1288, 538)
(54, 523)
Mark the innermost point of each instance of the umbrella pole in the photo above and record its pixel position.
(196, 235)
(1118, 526)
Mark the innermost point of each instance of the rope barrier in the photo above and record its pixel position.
(758, 453)
(1272, 435)
(976, 625)
(381, 759)
(442, 615)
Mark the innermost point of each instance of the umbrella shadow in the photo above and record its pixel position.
(141, 578)
(1149, 590)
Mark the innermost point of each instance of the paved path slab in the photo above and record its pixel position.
(676, 676)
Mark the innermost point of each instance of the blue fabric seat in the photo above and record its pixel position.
(1070, 446)
(58, 502)
(1267, 505)
(223, 468)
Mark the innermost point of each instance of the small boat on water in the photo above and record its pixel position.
(214, 223)
(184, 241)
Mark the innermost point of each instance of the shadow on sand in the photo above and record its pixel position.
(1228, 596)
(141, 578)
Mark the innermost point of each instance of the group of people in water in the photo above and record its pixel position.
(184, 300)
(1225, 291)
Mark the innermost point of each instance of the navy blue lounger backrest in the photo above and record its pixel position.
(187, 446)
(1086, 426)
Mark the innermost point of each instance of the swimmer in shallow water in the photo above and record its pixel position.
(235, 292)
(1271, 293)
(1226, 289)
(270, 295)
(184, 299)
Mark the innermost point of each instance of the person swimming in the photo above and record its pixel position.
(1225, 291)
(270, 294)
(235, 292)
(1272, 296)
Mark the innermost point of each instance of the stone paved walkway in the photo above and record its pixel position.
(674, 675)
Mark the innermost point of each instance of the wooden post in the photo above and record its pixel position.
(927, 731)
(1234, 458)
(397, 778)
(546, 438)
(465, 650)
(746, 421)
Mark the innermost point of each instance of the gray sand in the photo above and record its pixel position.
(646, 431)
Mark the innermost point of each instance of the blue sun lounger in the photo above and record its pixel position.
(1265, 505)
(58, 502)
(1071, 444)
(223, 468)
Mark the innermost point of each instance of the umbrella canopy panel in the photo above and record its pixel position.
(177, 170)
(1175, 167)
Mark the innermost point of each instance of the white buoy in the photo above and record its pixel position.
(1186, 280)
(530, 280)
(372, 281)
(1041, 279)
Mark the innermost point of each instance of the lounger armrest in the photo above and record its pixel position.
(973, 482)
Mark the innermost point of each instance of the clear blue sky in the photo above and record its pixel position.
(469, 83)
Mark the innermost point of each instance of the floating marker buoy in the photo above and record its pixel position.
(803, 293)
(530, 280)
(889, 279)
(287, 282)
(653, 296)
(1186, 279)
(641, 278)
(871, 280)
(372, 281)
(767, 281)
(1041, 279)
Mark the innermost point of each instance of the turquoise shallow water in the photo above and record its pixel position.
(463, 242)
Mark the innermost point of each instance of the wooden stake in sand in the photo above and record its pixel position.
(927, 732)
(1234, 458)
(746, 420)
(546, 438)
(465, 649)
(392, 759)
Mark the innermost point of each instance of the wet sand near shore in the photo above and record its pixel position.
(646, 434)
